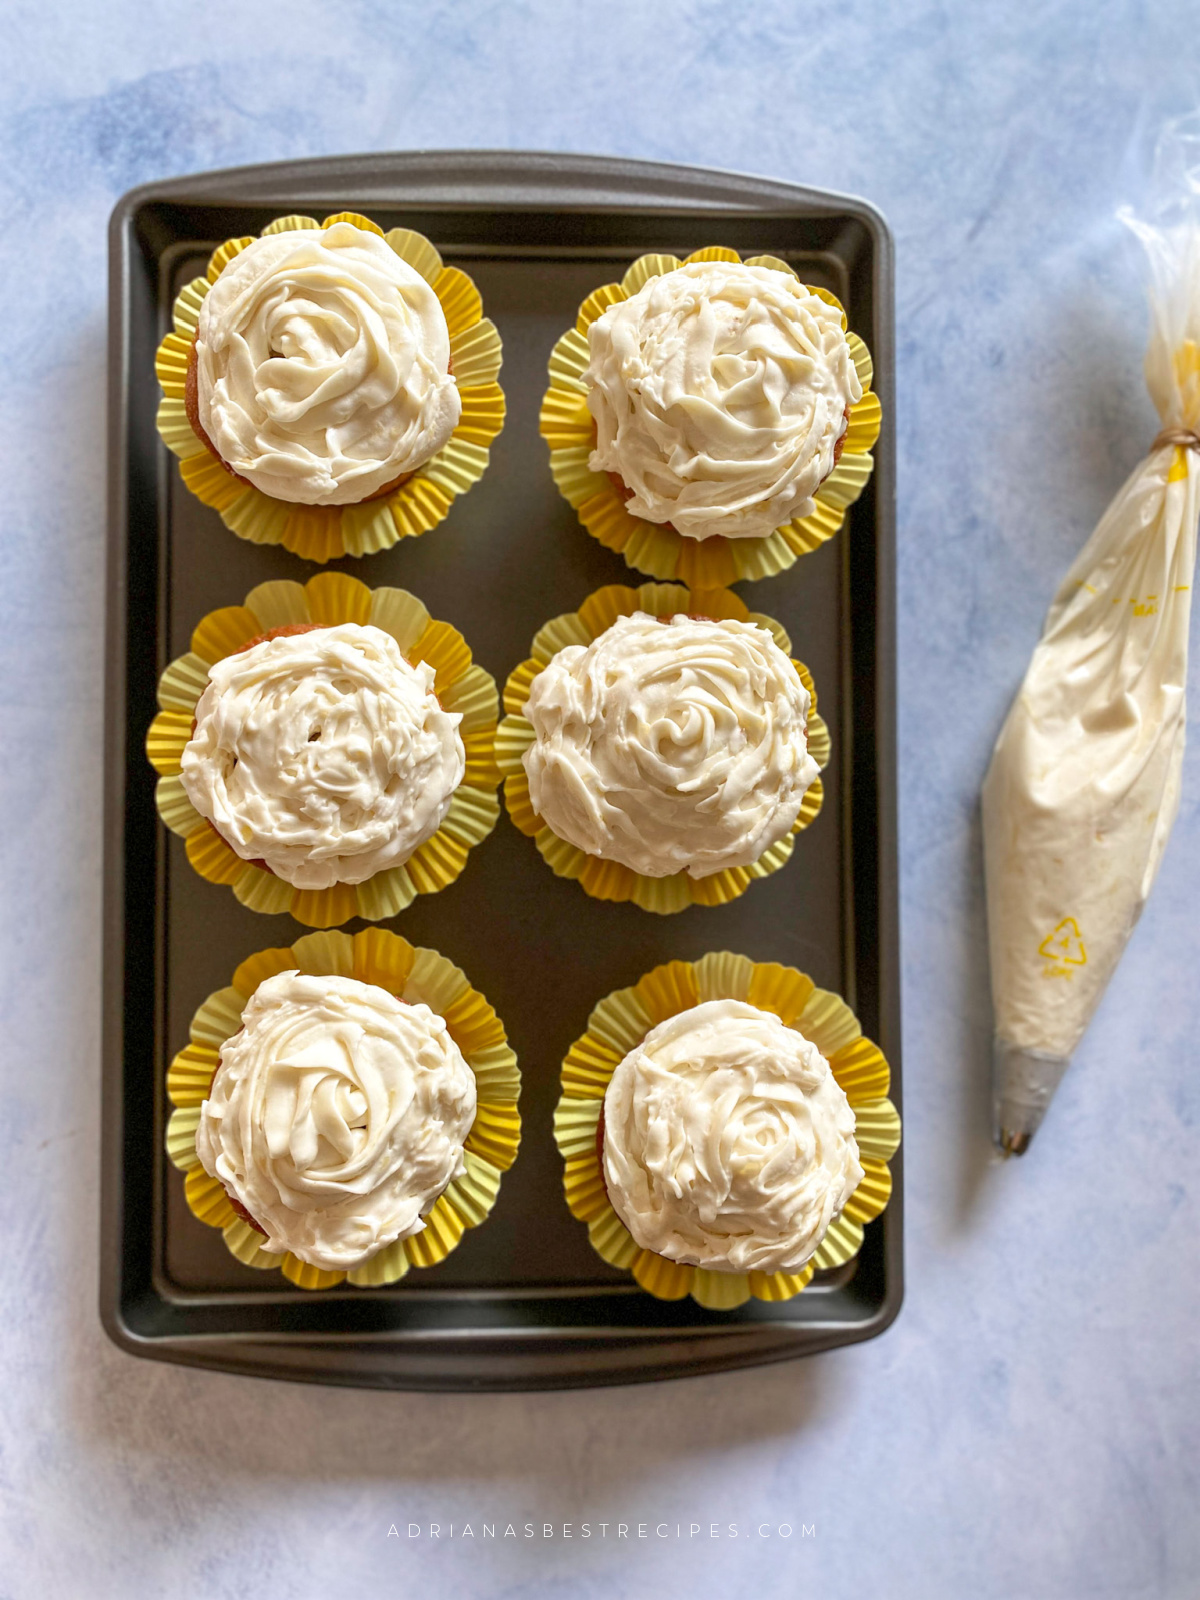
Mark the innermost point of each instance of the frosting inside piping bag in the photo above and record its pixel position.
(1083, 786)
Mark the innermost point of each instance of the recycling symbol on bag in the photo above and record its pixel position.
(1063, 949)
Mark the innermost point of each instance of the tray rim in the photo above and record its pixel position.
(497, 180)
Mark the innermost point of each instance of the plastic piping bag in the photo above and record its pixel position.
(1083, 786)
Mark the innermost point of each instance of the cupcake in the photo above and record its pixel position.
(724, 421)
(726, 1130)
(664, 757)
(323, 753)
(329, 387)
(336, 1118)
(345, 1109)
(727, 1142)
(320, 371)
(321, 765)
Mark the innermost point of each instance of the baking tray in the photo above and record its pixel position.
(524, 1302)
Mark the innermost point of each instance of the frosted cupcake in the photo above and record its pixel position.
(336, 1118)
(344, 1109)
(320, 371)
(721, 397)
(330, 387)
(728, 1144)
(323, 753)
(726, 1130)
(669, 751)
(335, 764)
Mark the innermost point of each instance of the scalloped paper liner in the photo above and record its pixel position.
(566, 425)
(612, 880)
(323, 533)
(412, 974)
(623, 1019)
(331, 598)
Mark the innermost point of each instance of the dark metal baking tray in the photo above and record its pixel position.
(523, 1302)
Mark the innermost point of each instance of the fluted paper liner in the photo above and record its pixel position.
(411, 974)
(331, 598)
(623, 1019)
(611, 880)
(323, 533)
(567, 427)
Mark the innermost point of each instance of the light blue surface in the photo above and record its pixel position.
(1029, 1427)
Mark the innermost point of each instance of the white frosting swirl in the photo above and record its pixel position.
(670, 745)
(336, 1117)
(321, 365)
(719, 392)
(325, 754)
(728, 1143)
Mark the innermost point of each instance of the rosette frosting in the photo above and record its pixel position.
(719, 392)
(728, 1143)
(324, 754)
(322, 366)
(670, 745)
(336, 1117)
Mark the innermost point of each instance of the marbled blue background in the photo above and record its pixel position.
(1029, 1426)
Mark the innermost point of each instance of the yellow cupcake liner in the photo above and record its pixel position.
(414, 975)
(567, 427)
(623, 1019)
(323, 533)
(612, 880)
(331, 598)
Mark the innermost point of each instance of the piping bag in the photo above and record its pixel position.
(1083, 786)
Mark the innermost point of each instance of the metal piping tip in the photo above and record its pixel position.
(1013, 1144)
(1023, 1085)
